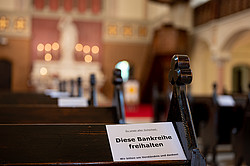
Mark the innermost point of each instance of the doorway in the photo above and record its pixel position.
(5, 75)
(241, 75)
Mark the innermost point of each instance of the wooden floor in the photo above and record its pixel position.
(223, 159)
(225, 156)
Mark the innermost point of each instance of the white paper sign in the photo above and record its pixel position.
(226, 101)
(56, 94)
(141, 142)
(72, 102)
(131, 91)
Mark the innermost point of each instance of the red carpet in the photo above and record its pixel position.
(142, 110)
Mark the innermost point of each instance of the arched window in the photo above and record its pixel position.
(124, 67)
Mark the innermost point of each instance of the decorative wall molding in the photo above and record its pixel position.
(126, 31)
(113, 29)
(15, 24)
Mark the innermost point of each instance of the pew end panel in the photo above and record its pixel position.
(180, 114)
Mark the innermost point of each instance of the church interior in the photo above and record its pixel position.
(71, 48)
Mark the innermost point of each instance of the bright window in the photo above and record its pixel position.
(124, 67)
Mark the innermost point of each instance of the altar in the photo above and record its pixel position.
(46, 73)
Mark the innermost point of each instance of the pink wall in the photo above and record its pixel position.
(90, 33)
(45, 31)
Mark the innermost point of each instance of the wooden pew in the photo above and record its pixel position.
(60, 145)
(241, 136)
(32, 114)
(161, 103)
(201, 107)
(85, 144)
(204, 114)
(40, 98)
(26, 98)
(48, 113)
(215, 122)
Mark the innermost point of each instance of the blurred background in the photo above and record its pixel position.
(35, 36)
(43, 42)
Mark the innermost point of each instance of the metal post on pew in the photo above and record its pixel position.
(215, 94)
(92, 100)
(60, 86)
(72, 83)
(216, 106)
(248, 94)
(79, 87)
(118, 95)
(180, 75)
(64, 86)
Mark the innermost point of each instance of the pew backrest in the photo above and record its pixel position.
(26, 98)
(33, 114)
